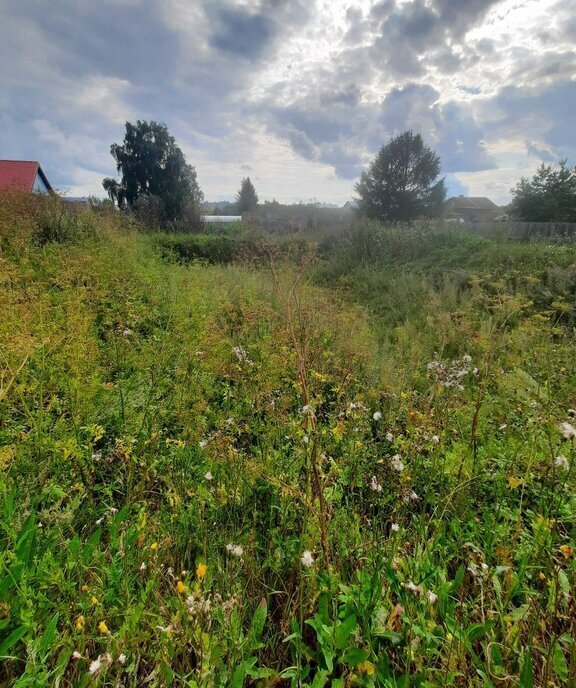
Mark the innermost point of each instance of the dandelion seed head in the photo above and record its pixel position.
(568, 431)
(307, 559)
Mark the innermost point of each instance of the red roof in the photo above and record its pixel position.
(20, 175)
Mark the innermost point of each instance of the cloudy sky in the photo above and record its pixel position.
(297, 94)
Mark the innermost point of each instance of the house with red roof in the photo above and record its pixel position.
(23, 175)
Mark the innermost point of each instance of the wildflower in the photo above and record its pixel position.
(432, 597)
(562, 462)
(84, 588)
(99, 521)
(142, 566)
(367, 668)
(307, 410)
(410, 496)
(235, 550)
(305, 439)
(242, 355)
(201, 570)
(377, 415)
(122, 659)
(307, 559)
(435, 439)
(375, 485)
(389, 437)
(414, 588)
(94, 601)
(181, 588)
(395, 527)
(76, 655)
(208, 475)
(568, 431)
(566, 550)
(153, 546)
(97, 456)
(80, 623)
(466, 358)
(95, 666)
(397, 464)
(202, 443)
(103, 628)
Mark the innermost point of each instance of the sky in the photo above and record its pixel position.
(297, 94)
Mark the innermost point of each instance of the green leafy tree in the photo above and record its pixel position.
(151, 165)
(550, 196)
(246, 199)
(402, 182)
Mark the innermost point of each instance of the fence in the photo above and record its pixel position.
(556, 232)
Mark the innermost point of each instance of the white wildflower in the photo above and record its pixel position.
(568, 431)
(414, 588)
(202, 443)
(395, 527)
(96, 456)
(466, 358)
(432, 597)
(122, 659)
(76, 655)
(242, 355)
(396, 462)
(561, 461)
(389, 437)
(375, 485)
(307, 558)
(410, 496)
(235, 550)
(99, 521)
(305, 439)
(95, 666)
(142, 566)
(435, 439)
(377, 415)
(208, 475)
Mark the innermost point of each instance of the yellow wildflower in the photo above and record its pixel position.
(566, 550)
(366, 668)
(513, 482)
(85, 588)
(154, 546)
(80, 623)
(94, 601)
(103, 628)
(201, 571)
(181, 588)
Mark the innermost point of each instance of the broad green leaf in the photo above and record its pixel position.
(343, 631)
(559, 662)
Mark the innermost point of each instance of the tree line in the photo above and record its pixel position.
(401, 184)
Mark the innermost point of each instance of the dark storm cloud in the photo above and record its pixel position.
(242, 33)
(342, 137)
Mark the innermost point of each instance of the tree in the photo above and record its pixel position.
(152, 165)
(246, 199)
(549, 197)
(400, 183)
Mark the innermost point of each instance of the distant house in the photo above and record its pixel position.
(470, 209)
(23, 175)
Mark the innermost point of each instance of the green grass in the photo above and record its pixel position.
(154, 411)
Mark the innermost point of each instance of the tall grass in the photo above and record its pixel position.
(347, 470)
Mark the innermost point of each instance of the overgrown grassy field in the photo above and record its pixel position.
(342, 461)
